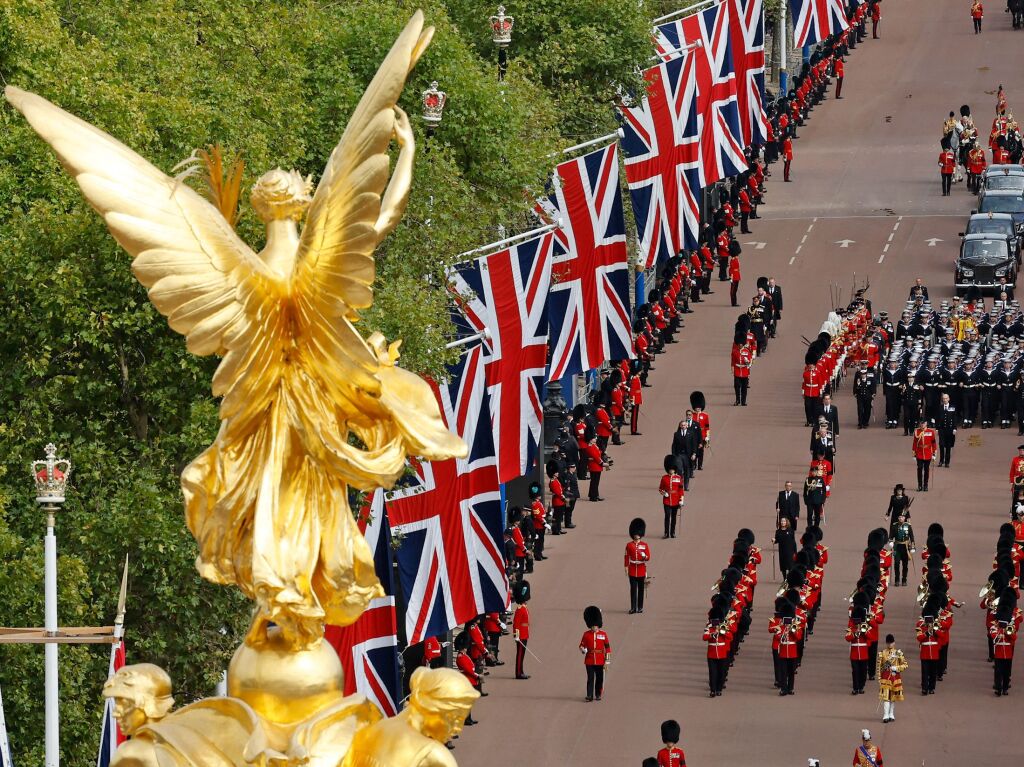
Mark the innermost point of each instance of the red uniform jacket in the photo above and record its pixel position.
(947, 162)
(671, 757)
(538, 512)
(876, 11)
(521, 622)
(618, 400)
(734, 269)
(695, 263)
(744, 201)
(465, 664)
(492, 623)
(431, 650)
(636, 392)
(925, 444)
(640, 344)
(977, 12)
(1016, 467)
(604, 423)
(598, 648)
(741, 362)
(477, 648)
(929, 641)
(976, 161)
(787, 148)
(839, 68)
(638, 554)
(718, 643)
(557, 493)
(671, 488)
(1000, 156)
(593, 454)
(703, 420)
(788, 635)
(517, 539)
(858, 642)
(812, 382)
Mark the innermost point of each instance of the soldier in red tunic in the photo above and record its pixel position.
(734, 278)
(745, 210)
(596, 650)
(876, 15)
(928, 630)
(857, 636)
(595, 464)
(1016, 473)
(432, 652)
(787, 157)
(1003, 631)
(703, 421)
(840, 70)
(521, 625)
(670, 756)
(673, 494)
(947, 164)
(719, 634)
(539, 514)
(812, 388)
(741, 360)
(789, 630)
(925, 446)
(468, 669)
(638, 554)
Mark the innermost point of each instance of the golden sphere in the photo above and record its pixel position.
(284, 685)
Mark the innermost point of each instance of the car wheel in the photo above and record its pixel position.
(961, 292)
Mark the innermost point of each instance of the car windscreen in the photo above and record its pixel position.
(985, 252)
(1003, 203)
(990, 226)
(998, 182)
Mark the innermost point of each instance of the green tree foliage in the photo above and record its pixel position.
(91, 366)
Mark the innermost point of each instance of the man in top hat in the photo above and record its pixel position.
(925, 446)
(867, 753)
(596, 650)
(638, 554)
(521, 625)
(673, 494)
(670, 756)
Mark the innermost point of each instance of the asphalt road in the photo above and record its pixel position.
(864, 172)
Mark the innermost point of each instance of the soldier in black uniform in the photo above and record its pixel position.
(946, 424)
(893, 383)
(911, 404)
(931, 379)
(989, 394)
(864, 385)
(902, 547)
(950, 383)
(814, 496)
(757, 315)
(1007, 381)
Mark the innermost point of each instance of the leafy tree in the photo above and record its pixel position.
(90, 365)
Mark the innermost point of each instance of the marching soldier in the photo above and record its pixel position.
(947, 422)
(814, 496)
(790, 633)
(928, 638)
(924, 448)
(947, 164)
(891, 665)
(1017, 472)
(969, 380)
(857, 636)
(741, 360)
(867, 754)
(703, 421)
(911, 404)
(903, 547)
(596, 650)
(893, 383)
(1003, 631)
(864, 385)
(719, 634)
(673, 495)
(670, 756)
(638, 554)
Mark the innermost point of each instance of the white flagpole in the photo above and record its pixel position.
(108, 704)
(5, 746)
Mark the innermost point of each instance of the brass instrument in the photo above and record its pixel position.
(717, 585)
(781, 591)
(987, 591)
(922, 593)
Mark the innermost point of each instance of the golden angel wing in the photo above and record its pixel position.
(347, 220)
(185, 253)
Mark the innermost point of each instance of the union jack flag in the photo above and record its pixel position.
(111, 736)
(660, 143)
(450, 561)
(721, 139)
(506, 294)
(747, 31)
(588, 309)
(814, 20)
(368, 649)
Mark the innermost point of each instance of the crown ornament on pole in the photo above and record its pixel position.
(51, 477)
(433, 105)
(501, 28)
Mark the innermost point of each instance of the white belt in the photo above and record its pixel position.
(638, 562)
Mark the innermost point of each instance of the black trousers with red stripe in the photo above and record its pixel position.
(520, 656)
(634, 417)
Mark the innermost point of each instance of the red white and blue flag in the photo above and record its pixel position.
(449, 517)
(721, 138)
(368, 649)
(661, 146)
(747, 30)
(589, 308)
(111, 736)
(814, 20)
(506, 294)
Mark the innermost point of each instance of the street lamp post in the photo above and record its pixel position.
(433, 110)
(51, 476)
(501, 36)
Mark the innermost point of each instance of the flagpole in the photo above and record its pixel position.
(482, 335)
(616, 135)
(510, 240)
(782, 30)
(684, 11)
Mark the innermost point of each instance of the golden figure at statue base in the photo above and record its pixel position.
(308, 408)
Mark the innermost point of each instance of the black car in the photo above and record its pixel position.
(1004, 202)
(1000, 224)
(983, 260)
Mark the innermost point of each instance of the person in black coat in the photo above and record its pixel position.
(899, 503)
(831, 414)
(775, 294)
(786, 543)
(788, 505)
(684, 447)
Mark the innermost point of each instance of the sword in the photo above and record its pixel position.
(521, 642)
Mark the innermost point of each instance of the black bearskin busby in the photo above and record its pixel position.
(535, 491)
(697, 401)
(762, 282)
(670, 462)
(592, 617)
(746, 534)
(551, 469)
(670, 731)
(521, 592)
(637, 527)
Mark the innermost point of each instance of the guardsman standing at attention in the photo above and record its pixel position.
(596, 651)
(867, 754)
(787, 157)
(876, 15)
(553, 470)
(718, 634)
(734, 279)
(839, 69)
(595, 464)
(638, 554)
(432, 652)
(1017, 472)
(521, 625)
(636, 396)
(812, 387)
(670, 756)
(741, 360)
(925, 446)
(539, 514)
(673, 494)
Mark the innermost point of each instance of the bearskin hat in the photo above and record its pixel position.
(965, 111)
(746, 534)
(1006, 531)
(743, 322)
(670, 731)
(731, 576)
(535, 491)
(935, 529)
(762, 282)
(521, 592)
(796, 577)
(780, 604)
(816, 532)
(739, 338)
(649, 762)
(859, 614)
(876, 540)
(462, 641)
(670, 463)
(579, 412)
(861, 599)
(592, 617)
(551, 469)
(807, 539)
(788, 610)
(802, 558)
(637, 527)
(697, 401)
(716, 614)
(1008, 599)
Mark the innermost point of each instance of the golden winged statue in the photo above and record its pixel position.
(308, 407)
